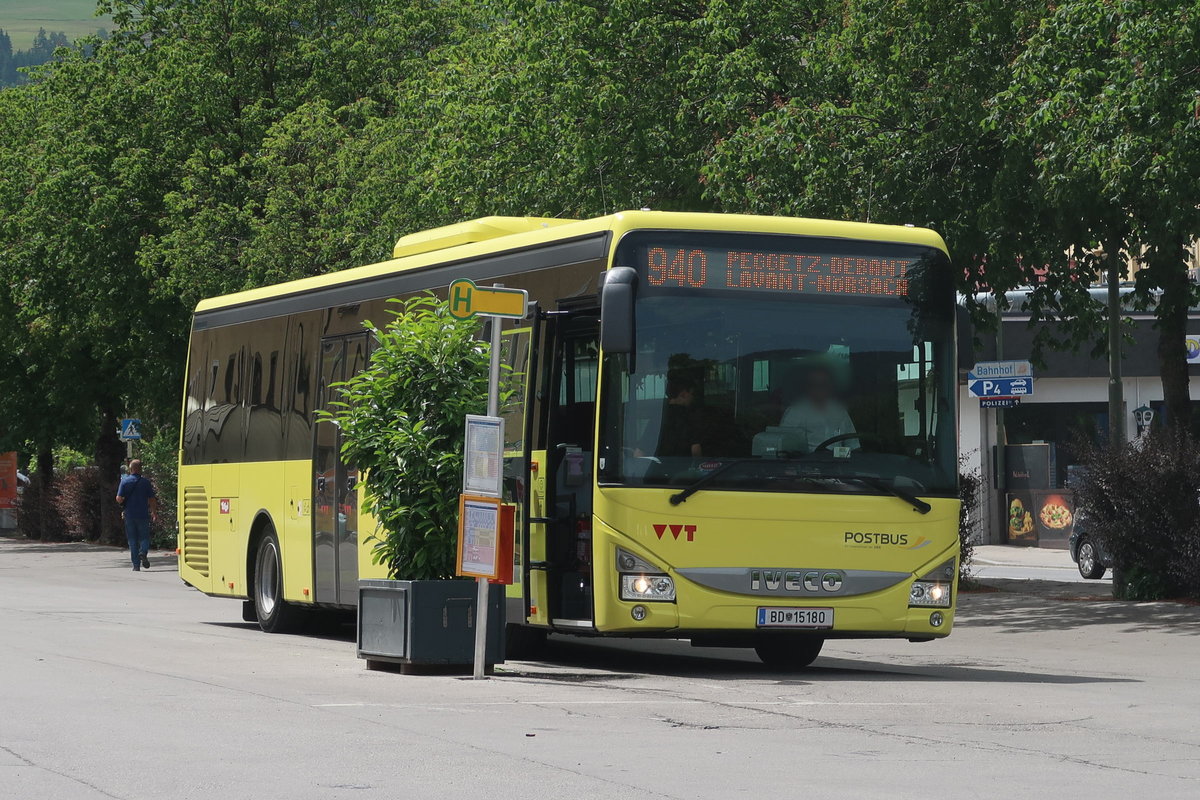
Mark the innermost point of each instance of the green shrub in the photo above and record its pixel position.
(77, 500)
(402, 419)
(37, 511)
(969, 482)
(1142, 501)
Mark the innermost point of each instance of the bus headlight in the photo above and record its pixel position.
(648, 587)
(641, 580)
(933, 589)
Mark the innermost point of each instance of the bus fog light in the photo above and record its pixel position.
(658, 588)
(638, 613)
(936, 619)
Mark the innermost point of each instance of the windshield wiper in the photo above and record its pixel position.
(883, 486)
(704, 480)
(874, 483)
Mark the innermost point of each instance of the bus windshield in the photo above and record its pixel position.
(744, 353)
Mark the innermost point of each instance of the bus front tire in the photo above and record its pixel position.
(274, 615)
(788, 652)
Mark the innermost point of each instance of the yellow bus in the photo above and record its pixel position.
(737, 430)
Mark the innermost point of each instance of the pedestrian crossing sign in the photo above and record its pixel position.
(131, 430)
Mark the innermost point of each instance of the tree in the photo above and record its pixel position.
(1104, 103)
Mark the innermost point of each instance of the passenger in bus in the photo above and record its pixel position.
(819, 415)
(679, 435)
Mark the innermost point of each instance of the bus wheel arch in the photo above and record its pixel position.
(264, 578)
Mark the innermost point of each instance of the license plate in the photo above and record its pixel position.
(795, 617)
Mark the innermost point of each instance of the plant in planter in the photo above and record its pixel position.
(402, 424)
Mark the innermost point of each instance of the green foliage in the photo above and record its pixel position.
(402, 419)
(1102, 104)
(65, 460)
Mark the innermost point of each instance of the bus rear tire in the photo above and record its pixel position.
(274, 615)
(788, 652)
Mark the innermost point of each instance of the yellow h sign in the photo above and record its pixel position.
(467, 300)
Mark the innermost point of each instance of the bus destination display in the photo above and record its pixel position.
(766, 271)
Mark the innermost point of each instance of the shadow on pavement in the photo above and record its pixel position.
(671, 659)
(332, 626)
(1026, 607)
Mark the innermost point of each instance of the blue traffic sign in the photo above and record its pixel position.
(1001, 387)
(131, 430)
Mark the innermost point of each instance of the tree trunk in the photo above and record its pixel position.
(1172, 333)
(109, 455)
(46, 516)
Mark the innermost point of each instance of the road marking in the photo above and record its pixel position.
(663, 701)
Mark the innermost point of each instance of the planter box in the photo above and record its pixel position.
(426, 622)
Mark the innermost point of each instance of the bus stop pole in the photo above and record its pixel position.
(481, 600)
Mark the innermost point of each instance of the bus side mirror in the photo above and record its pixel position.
(616, 310)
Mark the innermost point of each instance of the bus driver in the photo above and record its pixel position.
(818, 415)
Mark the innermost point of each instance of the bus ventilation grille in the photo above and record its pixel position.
(195, 529)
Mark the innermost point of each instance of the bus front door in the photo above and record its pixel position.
(569, 409)
(335, 483)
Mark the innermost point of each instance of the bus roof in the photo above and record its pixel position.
(464, 241)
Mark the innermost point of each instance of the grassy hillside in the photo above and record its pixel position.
(22, 18)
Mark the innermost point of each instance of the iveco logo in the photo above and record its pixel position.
(810, 581)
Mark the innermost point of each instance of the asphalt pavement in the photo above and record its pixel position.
(125, 685)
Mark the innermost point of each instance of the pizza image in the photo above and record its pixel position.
(1055, 515)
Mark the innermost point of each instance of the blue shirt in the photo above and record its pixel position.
(137, 492)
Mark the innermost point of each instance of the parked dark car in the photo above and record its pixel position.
(1087, 552)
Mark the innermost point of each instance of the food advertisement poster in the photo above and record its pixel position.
(1044, 517)
(1055, 516)
(1021, 527)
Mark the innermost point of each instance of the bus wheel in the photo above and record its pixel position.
(523, 643)
(274, 615)
(788, 652)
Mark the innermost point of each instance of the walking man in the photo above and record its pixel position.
(139, 505)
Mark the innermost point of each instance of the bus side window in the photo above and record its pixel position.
(222, 429)
(197, 390)
(514, 360)
(298, 400)
(264, 431)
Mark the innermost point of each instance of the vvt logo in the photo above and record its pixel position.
(676, 531)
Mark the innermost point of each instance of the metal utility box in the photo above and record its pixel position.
(426, 622)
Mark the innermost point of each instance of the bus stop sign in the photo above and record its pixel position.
(468, 300)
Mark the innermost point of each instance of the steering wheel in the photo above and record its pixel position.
(842, 437)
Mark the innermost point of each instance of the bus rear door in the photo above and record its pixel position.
(335, 483)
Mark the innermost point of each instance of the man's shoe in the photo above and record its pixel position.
(136, 568)
(146, 561)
